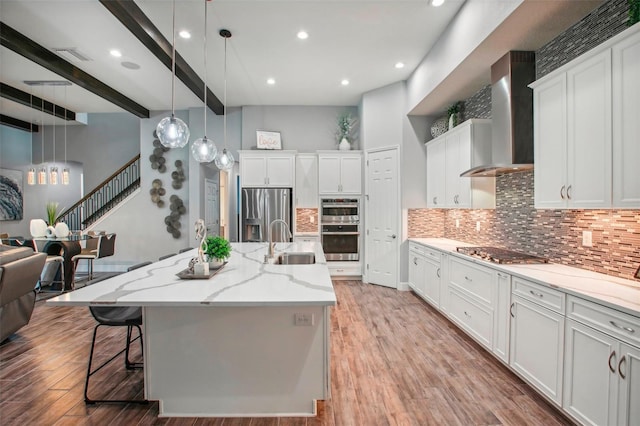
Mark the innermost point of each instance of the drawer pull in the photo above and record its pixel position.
(467, 314)
(415, 261)
(467, 278)
(511, 310)
(622, 327)
(623, 359)
(535, 293)
(438, 272)
(612, 369)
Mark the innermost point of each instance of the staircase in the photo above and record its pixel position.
(104, 197)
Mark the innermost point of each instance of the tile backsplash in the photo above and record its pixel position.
(557, 234)
(306, 220)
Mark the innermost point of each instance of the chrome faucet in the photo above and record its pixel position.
(272, 245)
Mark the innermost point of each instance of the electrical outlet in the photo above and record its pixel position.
(478, 226)
(457, 223)
(312, 219)
(587, 238)
(303, 319)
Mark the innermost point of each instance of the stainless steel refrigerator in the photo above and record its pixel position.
(260, 207)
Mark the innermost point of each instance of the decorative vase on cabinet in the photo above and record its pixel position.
(344, 145)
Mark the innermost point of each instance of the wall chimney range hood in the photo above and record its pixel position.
(511, 116)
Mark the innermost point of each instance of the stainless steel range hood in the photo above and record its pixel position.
(511, 116)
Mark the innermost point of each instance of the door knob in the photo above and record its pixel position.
(393, 236)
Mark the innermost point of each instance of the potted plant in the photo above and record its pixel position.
(346, 127)
(217, 250)
(55, 228)
(453, 111)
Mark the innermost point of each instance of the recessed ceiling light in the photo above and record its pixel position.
(303, 35)
(345, 82)
(115, 52)
(399, 65)
(436, 3)
(185, 34)
(271, 81)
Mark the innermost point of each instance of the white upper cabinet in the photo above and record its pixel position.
(586, 128)
(626, 122)
(340, 173)
(306, 188)
(272, 169)
(453, 153)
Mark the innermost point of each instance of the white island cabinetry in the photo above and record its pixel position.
(233, 345)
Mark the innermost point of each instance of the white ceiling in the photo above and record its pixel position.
(360, 40)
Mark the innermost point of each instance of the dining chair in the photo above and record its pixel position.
(95, 248)
(117, 316)
(49, 273)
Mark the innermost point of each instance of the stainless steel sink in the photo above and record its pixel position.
(296, 258)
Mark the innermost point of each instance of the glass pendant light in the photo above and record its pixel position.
(224, 160)
(42, 170)
(173, 132)
(31, 173)
(53, 170)
(203, 149)
(65, 170)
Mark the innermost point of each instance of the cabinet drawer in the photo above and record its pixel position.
(618, 324)
(476, 319)
(541, 295)
(425, 251)
(473, 278)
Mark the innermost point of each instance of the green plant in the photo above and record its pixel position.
(217, 247)
(52, 213)
(453, 109)
(634, 12)
(346, 127)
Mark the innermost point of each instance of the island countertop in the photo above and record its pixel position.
(244, 281)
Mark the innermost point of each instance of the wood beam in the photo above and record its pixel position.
(18, 124)
(19, 43)
(31, 101)
(134, 19)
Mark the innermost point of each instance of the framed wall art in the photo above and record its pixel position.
(268, 140)
(11, 195)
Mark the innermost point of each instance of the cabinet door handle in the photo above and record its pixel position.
(569, 192)
(467, 278)
(438, 272)
(511, 310)
(562, 192)
(622, 327)
(467, 314)
(611, 356)
(434, 200)
(623, 359)
(535, 293)
(415, 261)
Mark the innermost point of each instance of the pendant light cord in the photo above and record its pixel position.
(173, 60)
(205, 69)
(42, 144)
(224, 107)
(65, 126)
(53, 124)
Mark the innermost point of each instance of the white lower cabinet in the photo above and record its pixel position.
(425, 273)
(602, 372)
(475, 318)
(501, 316)
(537, 337)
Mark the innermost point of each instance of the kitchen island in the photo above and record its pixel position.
(251, 341)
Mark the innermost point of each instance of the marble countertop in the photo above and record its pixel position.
(244, 281)
(617, 293)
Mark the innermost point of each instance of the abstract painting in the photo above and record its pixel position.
(11, 198)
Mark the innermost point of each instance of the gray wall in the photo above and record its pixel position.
(107, 142)
(15, 147)
(302, 128)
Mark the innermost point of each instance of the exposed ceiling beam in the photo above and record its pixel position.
(12, 39)
(27, 99)
(134, 19)
(18, 124)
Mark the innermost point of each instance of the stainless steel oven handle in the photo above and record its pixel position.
(346, 205)
(340, 233)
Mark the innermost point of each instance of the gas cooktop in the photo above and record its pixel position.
(498, 255)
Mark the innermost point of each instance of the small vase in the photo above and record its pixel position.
(215, 263)
(38, 228)
(344, 145)
(61, 230)
(50, 232)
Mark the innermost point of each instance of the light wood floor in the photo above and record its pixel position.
(394, 361)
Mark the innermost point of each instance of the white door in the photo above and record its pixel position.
(328, 174)
(211, 207)
(351, 175)
(382, 210)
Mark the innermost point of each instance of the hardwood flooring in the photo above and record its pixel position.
(395, 361)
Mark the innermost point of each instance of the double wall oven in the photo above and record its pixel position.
(340, 220)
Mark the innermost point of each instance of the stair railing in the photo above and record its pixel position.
(104, 197)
